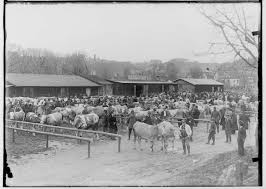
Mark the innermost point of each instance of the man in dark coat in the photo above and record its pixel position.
(216, 117)
(241, 138)
(228, 128)
(222, 119)
(195, 115)
(244, 118)
(104, 121)
(112, 124)
(165, 114)
(212, 132)
(234, 122)
(148, 119)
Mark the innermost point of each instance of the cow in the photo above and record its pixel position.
(52, 119)
(167, 131)
(145, 131)
(32, 117)
(18, 116)
(86, 121)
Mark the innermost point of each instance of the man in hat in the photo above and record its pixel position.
(185, 133)
(212, 132)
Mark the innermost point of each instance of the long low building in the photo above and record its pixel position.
(141, 87)
(35, 85)
(199, 85)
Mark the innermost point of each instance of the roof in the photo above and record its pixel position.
(97, 79)
(48, 80)
(200, 81)
(141, 82)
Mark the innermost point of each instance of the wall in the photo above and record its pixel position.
(209, 88)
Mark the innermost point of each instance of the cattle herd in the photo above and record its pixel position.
(93, 113)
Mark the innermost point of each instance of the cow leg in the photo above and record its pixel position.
(135, 138)
(152, 145)
(165, 145)
(162, 141)
(139, 141)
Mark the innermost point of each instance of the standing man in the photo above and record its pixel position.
(185, 133)
(228, 128)
(234, 122)
(131, 121)
(244, 118)
(241, 138)
(195, 115)
(212, 132)
(113, 125)
(104, 121)
(216, 117)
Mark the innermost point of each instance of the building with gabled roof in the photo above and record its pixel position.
(106, 87)
(199, 85)
(35, 85)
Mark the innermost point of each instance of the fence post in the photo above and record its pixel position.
(89, 149)
(47, 139)
(13, 135)
(119, 143)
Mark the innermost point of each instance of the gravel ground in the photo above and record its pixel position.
(71, 167)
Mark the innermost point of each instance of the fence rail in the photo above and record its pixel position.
(76, 131)
(89, 140)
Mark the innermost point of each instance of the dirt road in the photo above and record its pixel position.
(66, 164)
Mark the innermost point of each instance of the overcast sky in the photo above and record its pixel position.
(123, 32)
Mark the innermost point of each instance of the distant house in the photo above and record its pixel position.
(105, 88)
(199, 85)
(36, 85)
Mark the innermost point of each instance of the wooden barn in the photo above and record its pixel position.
(199, 85)
(36, 85)
(140, 88)
(106, 87)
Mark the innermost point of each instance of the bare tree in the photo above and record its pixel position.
(235, 29)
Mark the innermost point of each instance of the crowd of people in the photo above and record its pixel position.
(225, 117)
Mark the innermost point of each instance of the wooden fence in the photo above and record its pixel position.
(71, 132)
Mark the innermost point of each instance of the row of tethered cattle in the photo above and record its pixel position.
(82, 116)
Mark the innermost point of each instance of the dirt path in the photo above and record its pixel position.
(70, 166)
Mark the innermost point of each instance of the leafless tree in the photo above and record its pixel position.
(235, 29)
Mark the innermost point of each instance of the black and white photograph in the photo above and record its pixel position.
(143, 94)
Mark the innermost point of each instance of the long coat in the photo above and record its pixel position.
(234, 122)
(112, 124)
(228, 126)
